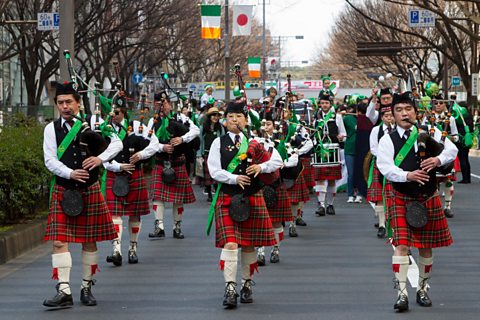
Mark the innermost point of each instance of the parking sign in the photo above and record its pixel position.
(47, 21)
(418, 18)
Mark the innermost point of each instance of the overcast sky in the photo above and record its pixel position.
(311, 18)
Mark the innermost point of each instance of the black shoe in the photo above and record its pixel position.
(448, 213)
(376, 225)
(275, 255)
(320, 211)
(209, 199)
(401, 304)
(300, 222)
(261, 257)
(115, 258)
(132, 256)
(464, 182)
(330, 210)
(381, 232)
(292, 231)
(86, 296)
(423, 299)
(177, 233)
(231, 295)
(246, 292)
(157, 232)
(61, 299)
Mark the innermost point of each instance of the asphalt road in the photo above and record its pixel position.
(335, 269)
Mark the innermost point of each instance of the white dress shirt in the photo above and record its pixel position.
(57, 167)
(374, 137)
(187, 137)
(146, 153)
(371, 113)
(223, 176)
(386, 151)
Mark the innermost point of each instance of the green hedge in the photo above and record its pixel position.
(24, 179)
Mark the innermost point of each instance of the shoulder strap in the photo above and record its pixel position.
(407, 146)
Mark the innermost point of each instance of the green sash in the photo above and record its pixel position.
(398, 160)
(231, 167)
(103, 182)
(328, 116)
(64, 146)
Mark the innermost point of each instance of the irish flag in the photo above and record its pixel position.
(254, 67)
(211, 15)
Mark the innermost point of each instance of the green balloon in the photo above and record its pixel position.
(211, 100)
(236, 91)
(431, 89)
(424, 103)
(353, 99)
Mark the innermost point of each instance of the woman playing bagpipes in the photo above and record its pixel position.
(241, 216)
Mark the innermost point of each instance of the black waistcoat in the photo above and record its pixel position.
(176, 128)
(227, 152)
(132, 141)
(73, 158)
(411, 163)
(332, 127)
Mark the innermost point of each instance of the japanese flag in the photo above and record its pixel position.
(242, 20)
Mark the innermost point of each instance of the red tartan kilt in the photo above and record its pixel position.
(299, 191)
(328, 172)
(94, 224)
(135, 203)
(178, 192)
(435, 233)
(283, 208)
(256, 231)
(207, 178)
(308, 173)
(374, 193)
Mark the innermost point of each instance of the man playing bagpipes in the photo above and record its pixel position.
(375, 179)
(170, 181)
(408, 160)
(241, 216)
(330, 130)
(124, 182)
(445, 122)
(276, 195)
(78, 212)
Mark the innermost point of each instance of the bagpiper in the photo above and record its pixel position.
(124, 182)
(413, 206)
(241, 215)
(170, 181)
(78, 212)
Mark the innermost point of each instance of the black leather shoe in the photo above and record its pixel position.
(381, 232)
(261, 257)
(448, 213)
(132, 256)
(86, 297)
(292, 231)
(376, 225)
(231, 295)
(115, 258)
(209, 199)
(423, 299)
(157, 232)
(275, 255)
(246, 292)
(300, 222)
(177, 233)
(401, 304)
(61, 299)
(464, 182)
(330, 210)
(320, 211)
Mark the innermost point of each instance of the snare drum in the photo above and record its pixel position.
(331, 156)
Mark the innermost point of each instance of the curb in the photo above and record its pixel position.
(474, 153)
(21, 239)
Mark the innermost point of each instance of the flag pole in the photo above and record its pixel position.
(263, 62)
(227, 54)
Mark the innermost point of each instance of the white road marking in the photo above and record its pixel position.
(474, 175)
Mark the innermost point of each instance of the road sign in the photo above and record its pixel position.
(137, 78)
(192, 87)
(456, 81)
(475, 84)
(418, 18)
(47, 21)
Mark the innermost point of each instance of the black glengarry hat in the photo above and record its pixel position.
(237, 107)
(65, 88)
(405, 97)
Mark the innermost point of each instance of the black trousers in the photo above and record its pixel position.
(464, 162)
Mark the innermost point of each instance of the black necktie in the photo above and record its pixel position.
(70, 123)
(406, 134)
(389, 129)
(237, 139)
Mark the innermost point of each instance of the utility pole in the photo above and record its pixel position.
(474, 66)
(263, 69)
(67, 35)
(445, 73)
(227, 54)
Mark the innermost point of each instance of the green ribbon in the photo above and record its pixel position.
(162, 132)
(230, 168)
(63, 147)
(370, 172)
(398, 160)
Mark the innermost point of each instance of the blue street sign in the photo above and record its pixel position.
(56, 20)
(47, 21)
(192, 87)
(137, 78)
(455, 81)
(418, 18)
(414, 16)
